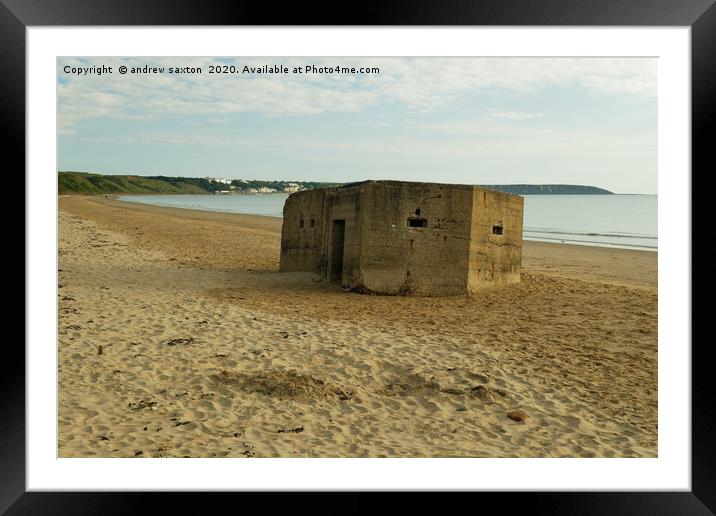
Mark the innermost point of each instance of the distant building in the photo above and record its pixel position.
(264, 189)
(219, 180)
(393, 237)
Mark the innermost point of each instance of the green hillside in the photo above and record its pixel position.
(549, 189)
(95, 184)
(84, 183)
(90, 184)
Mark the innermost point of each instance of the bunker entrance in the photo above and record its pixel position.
(338, 233)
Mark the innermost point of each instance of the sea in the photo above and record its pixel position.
(622, 221)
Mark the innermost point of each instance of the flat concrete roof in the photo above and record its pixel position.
(390, 182)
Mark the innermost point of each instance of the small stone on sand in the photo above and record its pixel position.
(518, 415)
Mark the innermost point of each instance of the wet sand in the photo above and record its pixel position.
(208, 351)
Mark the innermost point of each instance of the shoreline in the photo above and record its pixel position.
(633, 267)
(280, 217)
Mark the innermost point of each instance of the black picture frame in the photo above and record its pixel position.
(17, 15)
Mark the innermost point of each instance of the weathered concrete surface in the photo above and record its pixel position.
(400, 259)
(302, 242)
(495, 258)
(393, 237)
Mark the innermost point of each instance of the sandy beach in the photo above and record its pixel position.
(178, 337)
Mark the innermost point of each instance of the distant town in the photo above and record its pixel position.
(246, 186)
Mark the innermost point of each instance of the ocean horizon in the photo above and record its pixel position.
(627, 221)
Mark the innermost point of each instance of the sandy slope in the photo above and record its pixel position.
(208, 351)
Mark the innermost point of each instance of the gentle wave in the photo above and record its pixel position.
(593, 242)
(615, 235)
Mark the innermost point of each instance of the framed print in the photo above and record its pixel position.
(448, 250)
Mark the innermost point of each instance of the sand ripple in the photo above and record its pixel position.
(202, 358)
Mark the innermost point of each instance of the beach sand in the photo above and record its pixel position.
(208, 351)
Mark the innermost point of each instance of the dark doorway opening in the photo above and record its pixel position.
(338, 235)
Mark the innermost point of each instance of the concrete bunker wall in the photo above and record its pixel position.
(392, 237)
(495, 253)
(415, 238)
(303, 232)
(343, 235)
(321, 233)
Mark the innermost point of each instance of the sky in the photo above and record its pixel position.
(588, 121)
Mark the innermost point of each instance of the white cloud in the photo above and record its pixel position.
(189, 139)
(502, 145)
(420, 84)
(444, 141)
(515, 115)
